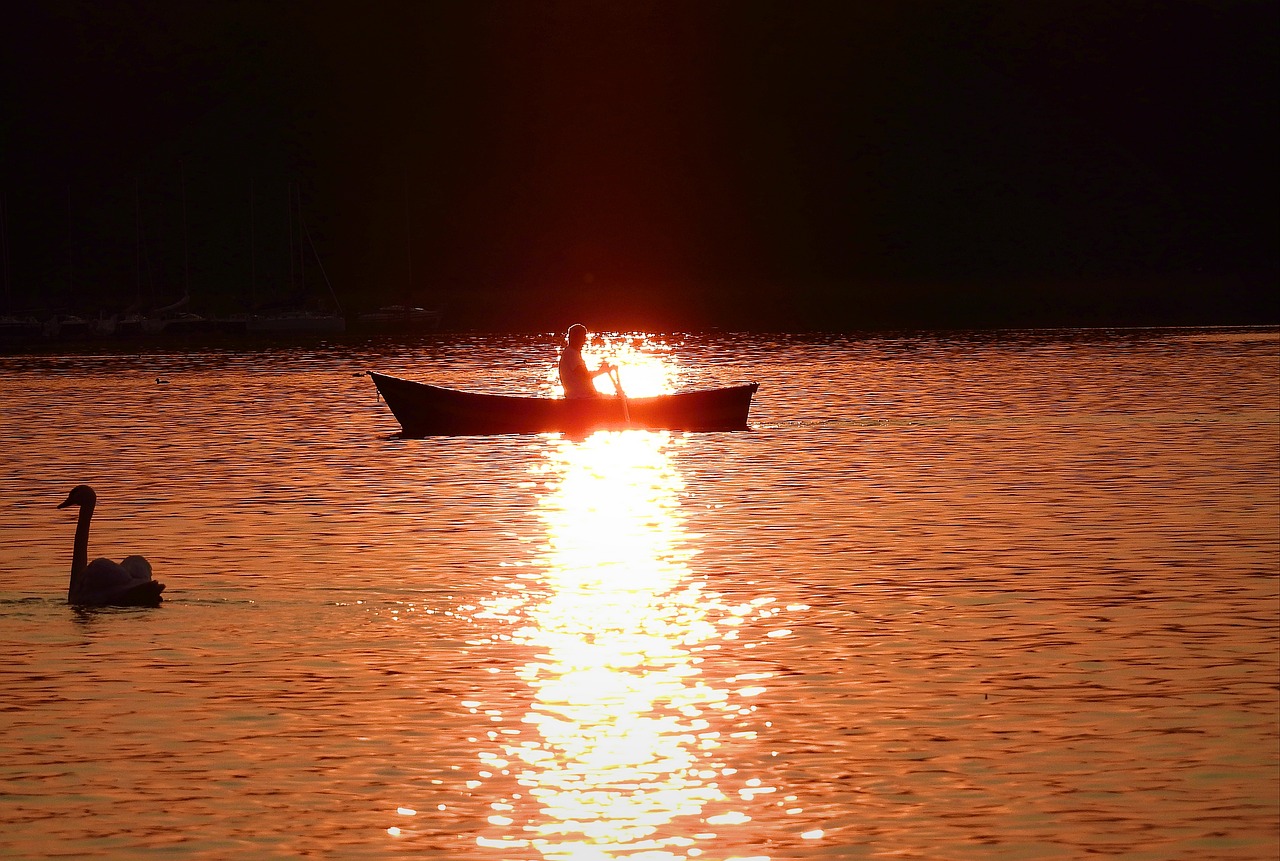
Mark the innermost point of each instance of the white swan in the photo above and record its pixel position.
(102, 582)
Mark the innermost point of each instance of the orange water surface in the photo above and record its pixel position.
(1002, 595)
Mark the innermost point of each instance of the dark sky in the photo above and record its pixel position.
(802, 164)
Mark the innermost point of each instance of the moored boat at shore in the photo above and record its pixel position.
(401, 318)
(426, 410)
(295, 322)
(20, 329)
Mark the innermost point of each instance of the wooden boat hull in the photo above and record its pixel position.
(425, 410)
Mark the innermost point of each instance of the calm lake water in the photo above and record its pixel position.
(1011, 595)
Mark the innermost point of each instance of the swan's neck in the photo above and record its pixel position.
(80, 554)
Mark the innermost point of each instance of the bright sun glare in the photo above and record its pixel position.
(643, 370)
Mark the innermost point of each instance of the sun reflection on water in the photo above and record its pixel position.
(624, 724)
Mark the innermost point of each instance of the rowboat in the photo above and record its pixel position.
(425, 410)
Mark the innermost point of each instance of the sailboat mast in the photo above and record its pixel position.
(408, 237)
(253, 258)
(306, 231)
(4, 246)
(289, 223)
(137, 244)
(186, 259)
(302, 251)
(71, 250)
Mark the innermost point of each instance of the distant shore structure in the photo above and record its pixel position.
(401, 318)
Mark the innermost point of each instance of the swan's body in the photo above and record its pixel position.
(102, 582)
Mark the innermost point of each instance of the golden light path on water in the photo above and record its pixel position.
(627, 759)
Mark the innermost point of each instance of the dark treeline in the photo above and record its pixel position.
(145, 242)
(655, 164)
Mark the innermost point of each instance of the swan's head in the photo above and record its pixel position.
(81, 494)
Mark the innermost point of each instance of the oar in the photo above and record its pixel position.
(617, 386)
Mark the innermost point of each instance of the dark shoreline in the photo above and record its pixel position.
(217, 343)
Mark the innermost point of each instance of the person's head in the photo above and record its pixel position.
(577, 336)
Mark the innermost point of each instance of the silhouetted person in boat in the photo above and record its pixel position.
(577, 379)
